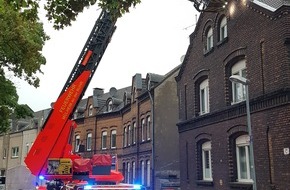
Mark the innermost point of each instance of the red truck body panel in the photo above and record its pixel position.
(52, 141)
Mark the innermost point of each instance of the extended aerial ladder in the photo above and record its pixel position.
(53, 142)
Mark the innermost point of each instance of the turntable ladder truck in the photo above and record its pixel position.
(50, 156)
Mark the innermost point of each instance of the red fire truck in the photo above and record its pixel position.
(51, 158)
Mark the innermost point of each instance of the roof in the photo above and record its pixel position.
(272, 5)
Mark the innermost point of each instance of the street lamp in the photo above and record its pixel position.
(245, 82)
(209, 5)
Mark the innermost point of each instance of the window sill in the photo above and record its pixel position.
(207, 52)
(237, 102)
(240, 184)
(145, 141)
(204, 182)
(203, 113)
(223, 41)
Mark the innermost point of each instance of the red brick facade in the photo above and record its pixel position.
(260, 37)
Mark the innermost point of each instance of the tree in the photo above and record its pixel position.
(22, 38)
(61, 13)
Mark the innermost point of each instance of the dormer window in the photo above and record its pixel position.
(75, 116)
(110, 106)
(90, 112)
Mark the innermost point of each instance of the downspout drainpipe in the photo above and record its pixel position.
(153, 139)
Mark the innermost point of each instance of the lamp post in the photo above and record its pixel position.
(245, 82)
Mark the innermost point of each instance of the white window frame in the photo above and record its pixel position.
(209, 39)
(242, 142)
(15, 152)
(113, 138)
(75, 115)
(77, 142)
(27, 148)
(90, 111)
(133, 172)
(148, 173)
(89, 141)
(4, 153)
(128, 172)
(134, 133)
(104, 140)
(238, 89)
(143, 130)
(206, 161)
(223, 28)
(148, 128)
(204, 97)
(110, 106)
(125, 137)
(142, 172)
(129, 135)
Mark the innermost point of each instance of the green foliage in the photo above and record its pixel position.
(62, 12)
(21, 41)
(22, 38)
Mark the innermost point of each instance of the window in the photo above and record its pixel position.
(77, 142)
(133, 172)
(243, 158)
(110, 106)
(129, 135)
(15, 152)
(142, 173)
(2, 172)
(209, 39)
(104, 140)
(223, 29)
(4, 153)
(148, 173)
(113, 138)
(134, 133)
(90, 110)
(204, 97)
(27, 148)
(148, 127)
(75, 116)
(143, 130)
(125, 137)
(89, 141)
(128, 172)
(238, 90)
(206, 161)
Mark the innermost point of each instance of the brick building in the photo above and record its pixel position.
(249, 39)
(135, 123)
(123, 122)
